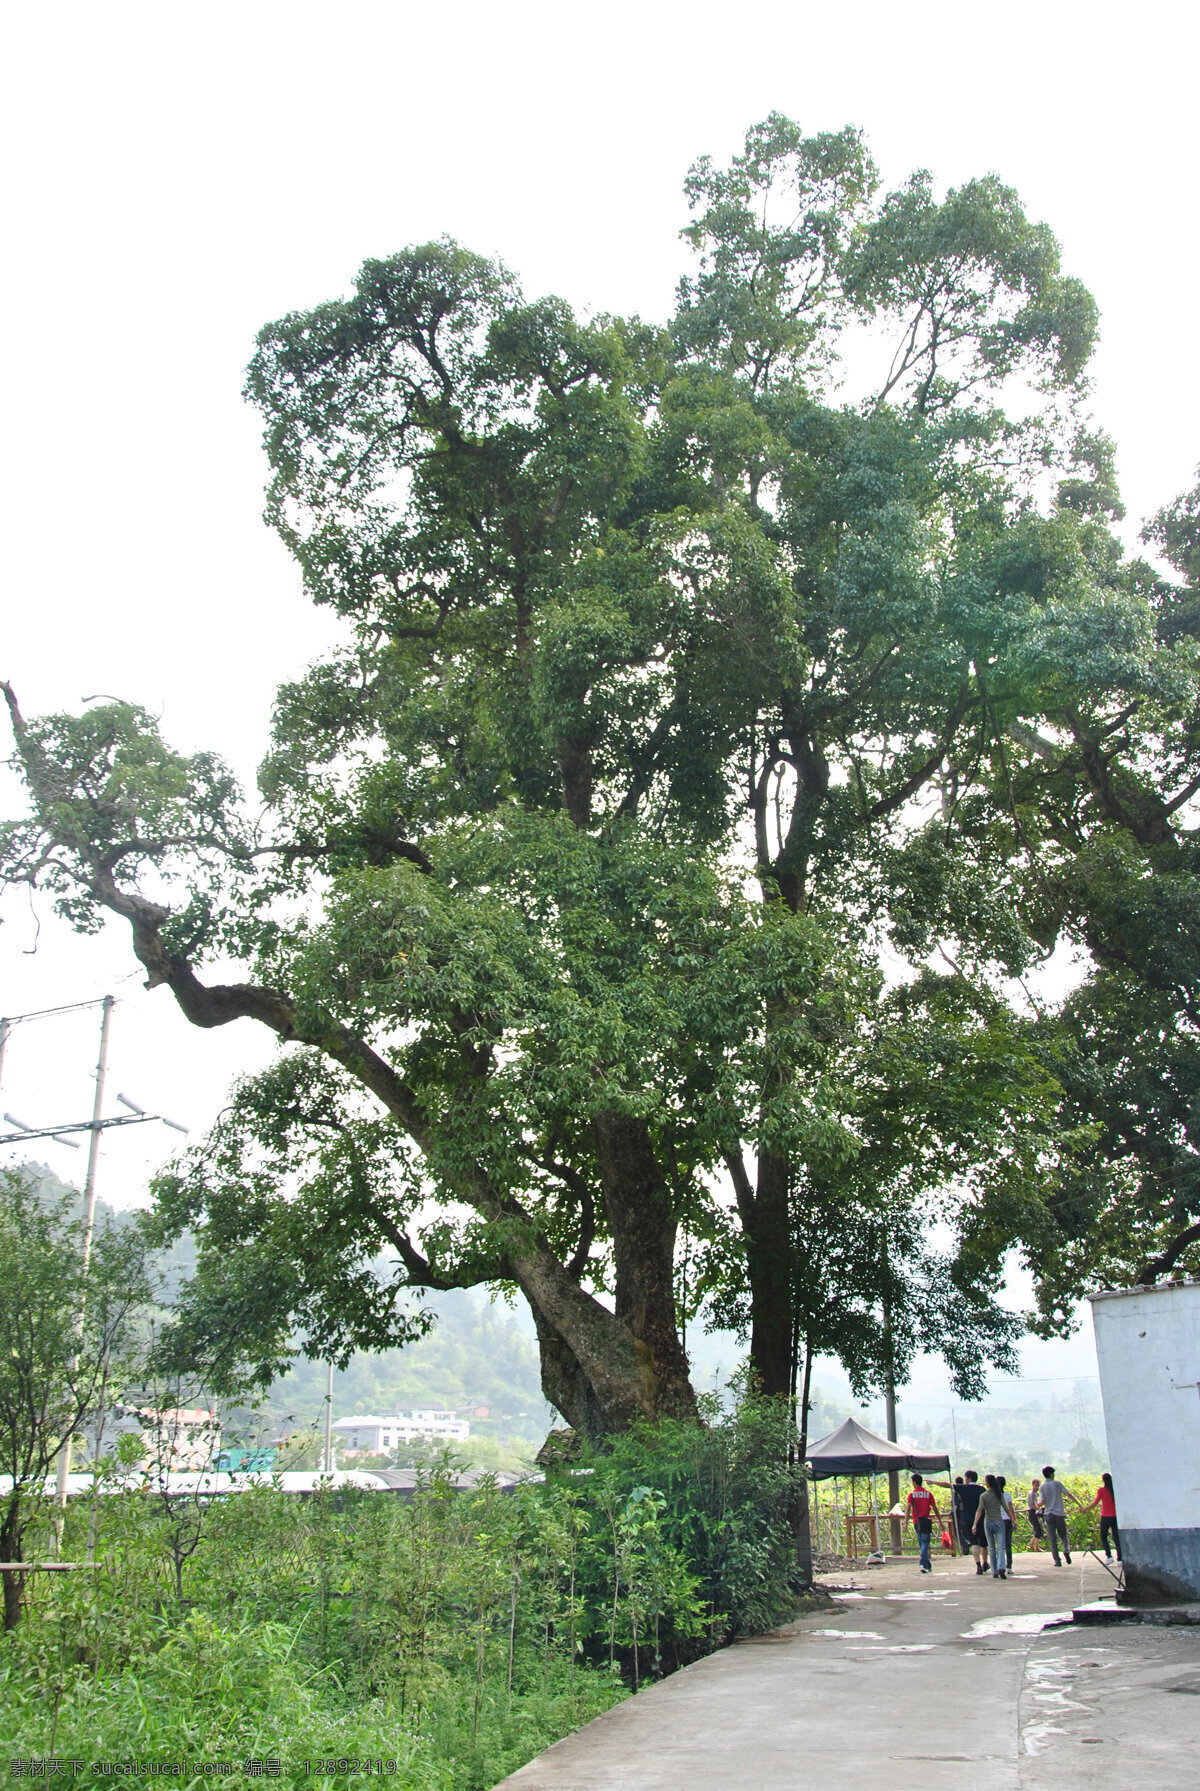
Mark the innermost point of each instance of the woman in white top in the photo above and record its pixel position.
(1010, 1518)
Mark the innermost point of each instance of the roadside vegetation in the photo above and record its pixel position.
(454, 1633)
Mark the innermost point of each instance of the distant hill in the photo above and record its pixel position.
(174, 1265)
(479, 1349)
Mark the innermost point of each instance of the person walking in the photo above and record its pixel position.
(990, 1521)
(1033, 1512)
(973, 1537)
(1010, 1518)
(1050, 1498)
(1106, 1499)
(922, 1509)
(966, 1505)
(967, 1499)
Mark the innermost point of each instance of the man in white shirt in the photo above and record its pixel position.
(1050, 1497)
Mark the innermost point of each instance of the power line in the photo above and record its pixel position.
(43, 1013)
(26, 1134)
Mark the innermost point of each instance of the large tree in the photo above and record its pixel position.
(852, 669)
(572, 864)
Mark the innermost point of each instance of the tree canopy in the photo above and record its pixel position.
(685, 707)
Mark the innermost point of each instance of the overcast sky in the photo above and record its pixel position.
(175, 176)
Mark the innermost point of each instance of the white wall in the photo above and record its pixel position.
(1148, 1347)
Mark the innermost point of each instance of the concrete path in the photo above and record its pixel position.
(935, 1681)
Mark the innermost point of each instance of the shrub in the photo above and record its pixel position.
(457, 1633)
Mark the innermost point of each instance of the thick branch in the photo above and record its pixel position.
(581, 1189)
(1162, 1265)
(887, 805)
(742, 1187)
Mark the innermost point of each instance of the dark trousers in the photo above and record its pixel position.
(1036, 1524)
(1057, 1526)
(1008, 1530)
(1108, 1527)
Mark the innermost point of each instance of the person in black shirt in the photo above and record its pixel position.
(966, 1508)
(959, 1483)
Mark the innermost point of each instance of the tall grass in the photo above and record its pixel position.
(450, 1636)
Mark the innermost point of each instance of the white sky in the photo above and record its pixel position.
(175, 176)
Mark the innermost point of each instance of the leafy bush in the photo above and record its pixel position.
(729, 1507)
(456, 1633)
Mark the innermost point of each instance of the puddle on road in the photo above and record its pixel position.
(898, 1596)
(902, 1648)
(848, 1635)
(1020, 1624)
(1035, 1736)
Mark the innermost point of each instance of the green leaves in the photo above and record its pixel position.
(976, 290)
(671, 686)
(771, 233)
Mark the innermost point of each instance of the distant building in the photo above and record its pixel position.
(174, 1440)
(246, 1461)
(370, 1435)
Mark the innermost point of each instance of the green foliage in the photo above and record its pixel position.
(65, 1330)
(1083, 825)
(458, 1633)
(718, 1503)
(609, 591)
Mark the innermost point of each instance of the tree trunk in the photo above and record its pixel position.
(642, 1224)
(769, 1252)
(590, 1364)
(803, 1526)
(601, 1369)
(889, 1406)
(566, 1386)
(10, 1550)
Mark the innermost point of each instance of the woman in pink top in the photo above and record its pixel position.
(1106, 1500)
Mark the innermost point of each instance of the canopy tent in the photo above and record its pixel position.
(852, 1449)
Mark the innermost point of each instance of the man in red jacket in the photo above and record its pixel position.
(922, 1509)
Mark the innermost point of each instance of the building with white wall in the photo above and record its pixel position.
(372, 1435)
(1148, 1348)
(175, 1440)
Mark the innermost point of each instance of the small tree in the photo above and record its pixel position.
(179, 1436)
(52, 1371)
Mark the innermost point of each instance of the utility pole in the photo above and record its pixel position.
(889, 1407)
(89, 1225)
(24, 1134)
(329, 1418)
